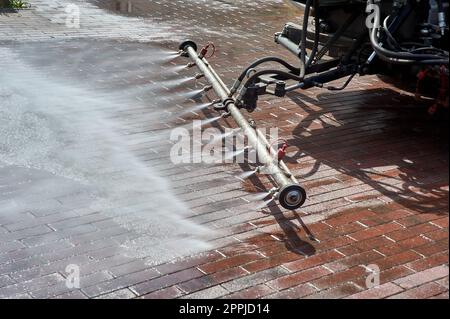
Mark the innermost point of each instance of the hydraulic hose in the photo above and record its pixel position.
(297, 71)
(270, 59)
(316, 34)
(390, 38)
(305, 31)
(399, 57)
(290, 76)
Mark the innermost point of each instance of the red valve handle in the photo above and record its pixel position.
(205, 50)
(281, 153)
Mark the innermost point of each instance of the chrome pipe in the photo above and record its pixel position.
(290, 195)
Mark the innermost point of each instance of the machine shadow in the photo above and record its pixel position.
(291, 238)
(397, 120)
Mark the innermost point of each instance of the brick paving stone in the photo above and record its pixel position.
(174, 266)
(443, 295)
(362, 208)
(305, 263)
(166, 293)
(120, 282)
(433, 248)
(422, 277)
(364, 258)
(208, 293)
(298, 278)
(165, 281)
(293, 293)
(213, 279)
(5, 280)
(339, 278)
(336, 292)
(443, 282)
(382, 291)
(254, 279)
(255, 292)
(424, 291)
(30, 285)
(398, 259)
(376, 231)
(72, 295)
(230, 262)
(119, 294)
(271, 262)
(391, 274)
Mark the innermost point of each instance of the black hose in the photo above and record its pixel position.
(410, 62)
(305, 31)
(290, 76)
(398, 57)
(316, 34)
(390, 38)
(333, 88)
(270, 59)
(337, 34)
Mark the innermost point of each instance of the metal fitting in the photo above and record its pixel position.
(199, 76)
(274, 192)
(252, 123)
(225, 115)
(234, 88)
(207, 88)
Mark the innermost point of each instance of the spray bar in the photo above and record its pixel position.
(290, 195)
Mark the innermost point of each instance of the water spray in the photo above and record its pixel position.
(289, 194)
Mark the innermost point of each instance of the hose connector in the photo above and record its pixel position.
(190, 65)
(273, 192)
(234, 88)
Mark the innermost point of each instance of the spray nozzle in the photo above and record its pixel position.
(207, 88)
(199, 76)
(273, 192)
(225, 114)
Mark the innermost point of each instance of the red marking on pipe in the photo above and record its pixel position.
(205, 50)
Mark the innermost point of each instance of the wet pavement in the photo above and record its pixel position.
(86, 177)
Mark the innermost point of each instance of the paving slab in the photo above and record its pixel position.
(91, 91)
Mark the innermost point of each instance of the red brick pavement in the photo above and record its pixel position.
(376, 172)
